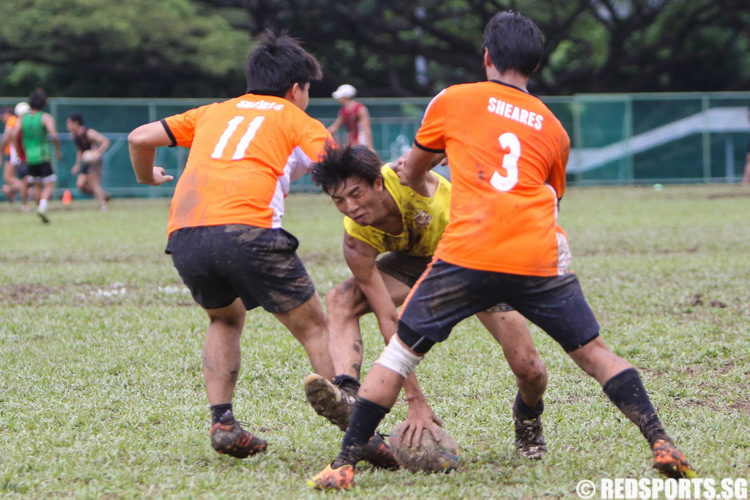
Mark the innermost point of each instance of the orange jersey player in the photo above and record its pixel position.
(224, 231)
(507, 155)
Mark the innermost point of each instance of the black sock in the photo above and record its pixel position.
(217, 411)
(347, 383)
(366, 417)
(524, 411)
(626, 391)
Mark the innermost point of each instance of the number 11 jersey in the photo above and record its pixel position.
(244, 152)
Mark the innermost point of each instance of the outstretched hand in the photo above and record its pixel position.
(418, 418)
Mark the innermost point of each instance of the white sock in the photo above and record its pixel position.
(43, 205)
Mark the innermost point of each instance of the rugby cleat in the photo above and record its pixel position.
(529, 438)
(378, 453)
(329, 401)
(229, 438)
(670, 461)
(341, 478)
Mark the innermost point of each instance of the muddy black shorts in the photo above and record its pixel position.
(258, 265)
(447, 294)
(408, 268)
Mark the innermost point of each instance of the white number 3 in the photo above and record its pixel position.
(508, 141)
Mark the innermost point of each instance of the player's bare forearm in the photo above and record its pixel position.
(414, 169)
(142, 144)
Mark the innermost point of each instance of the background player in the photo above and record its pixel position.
(33, 129)
(90, 176)
(507, 158)
(14, 168)
(385, 217)
(354, 116)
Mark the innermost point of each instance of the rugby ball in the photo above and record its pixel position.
(429, 456)
(89, 156)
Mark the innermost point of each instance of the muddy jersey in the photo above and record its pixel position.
(424, 219)
(507, 154)
(244, 152)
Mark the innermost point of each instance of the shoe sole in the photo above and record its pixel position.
(321, 395)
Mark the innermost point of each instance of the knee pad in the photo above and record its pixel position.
(398, 358)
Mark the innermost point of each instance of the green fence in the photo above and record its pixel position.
(616, 138)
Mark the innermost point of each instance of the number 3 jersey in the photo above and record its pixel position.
(507, 154)
(244, 152)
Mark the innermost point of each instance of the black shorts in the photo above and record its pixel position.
(258, 265)
(408, 268)
(22, 170)
(42, 172)
(92, 167)
(447, 294)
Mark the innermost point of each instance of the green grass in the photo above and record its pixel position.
(101, 391)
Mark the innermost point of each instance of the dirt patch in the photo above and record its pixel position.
(729, 195)
(26, 294)
(741, 406)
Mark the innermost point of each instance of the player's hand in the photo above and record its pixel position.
(398, 167)
(160, 177)
(74, 169)
(419, 417)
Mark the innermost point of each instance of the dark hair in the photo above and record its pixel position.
(276, 63)
(513, 42)
(77, 117)
(7, 109)
(338, 164)
(38, 99)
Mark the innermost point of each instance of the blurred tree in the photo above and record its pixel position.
(591, 45)
(128, 49)
(176, 48)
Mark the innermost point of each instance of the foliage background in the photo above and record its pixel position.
(196, 48)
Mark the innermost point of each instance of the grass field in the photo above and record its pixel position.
(101, 390)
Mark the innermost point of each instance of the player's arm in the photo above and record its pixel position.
(336, 125)
(8, 136)
(416, 167)
(101, 141)
(360, 257)
(364, 118)
(49, 124)
(142, 143)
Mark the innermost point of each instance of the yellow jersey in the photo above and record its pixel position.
(424, 219)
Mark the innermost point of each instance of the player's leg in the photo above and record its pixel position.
(346, 304)
(221, 351)
(565, 315)
(22, 172)
(200, 254)
(11, 183)
(95, 183)
(221, 367)
(308, 325)
(82, 183)
(439, 301)
(510, 330)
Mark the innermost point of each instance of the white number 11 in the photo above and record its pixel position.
(232, 126)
